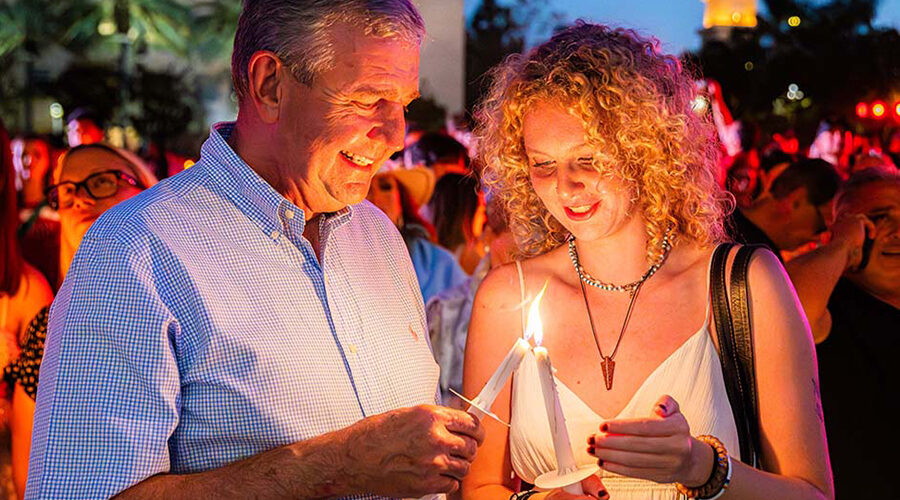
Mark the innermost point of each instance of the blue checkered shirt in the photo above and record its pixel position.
(196, 327)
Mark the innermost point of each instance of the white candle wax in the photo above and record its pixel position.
(565, 458)
(494, 385)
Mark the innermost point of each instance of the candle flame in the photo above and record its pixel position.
(535, 328)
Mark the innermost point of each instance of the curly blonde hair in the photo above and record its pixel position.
(636, 104)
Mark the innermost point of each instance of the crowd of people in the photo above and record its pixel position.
(253, 327)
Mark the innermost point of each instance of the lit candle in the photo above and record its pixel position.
(510, 363)
(485, 399)
(565, 458)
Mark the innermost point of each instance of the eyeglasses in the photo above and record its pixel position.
(98, 186)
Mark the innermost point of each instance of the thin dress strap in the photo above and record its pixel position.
(522, 292)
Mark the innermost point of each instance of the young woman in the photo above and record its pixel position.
(607, 176)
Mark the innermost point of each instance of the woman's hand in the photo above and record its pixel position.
(659, 448)
(592, 487)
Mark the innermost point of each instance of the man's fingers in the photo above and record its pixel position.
(460, 422)
(456, 468)
(443, 484)
(463, 447)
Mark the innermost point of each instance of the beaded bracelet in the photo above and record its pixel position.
(522, 495)
(720, 477)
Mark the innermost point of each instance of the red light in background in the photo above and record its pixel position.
(862, 110)
(878, 109)
(897, 109)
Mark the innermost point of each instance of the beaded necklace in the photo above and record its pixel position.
(607, 363)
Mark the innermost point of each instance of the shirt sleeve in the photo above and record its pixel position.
(108, 397)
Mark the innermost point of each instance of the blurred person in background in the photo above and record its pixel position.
(743, 181)
(83, 126)
(399, 193)
(31, 159)
(457, 210)
(850, 291)
(439, 152)
(88, 180)
(770, 167)
(38, 231)
(794, 212)
(449, 312)
(23, 292)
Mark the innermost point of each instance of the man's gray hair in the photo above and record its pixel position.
(296, 31)
(863, 178)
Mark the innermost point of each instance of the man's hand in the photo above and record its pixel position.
(849, 234)
(411, 452)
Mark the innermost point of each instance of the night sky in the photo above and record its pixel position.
(673, 22)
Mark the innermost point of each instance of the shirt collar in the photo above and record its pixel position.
(250, 192)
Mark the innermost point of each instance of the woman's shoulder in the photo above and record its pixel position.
(505, 280)
(34, 289)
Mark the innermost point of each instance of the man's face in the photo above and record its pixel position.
(336, 133)
(880, 202)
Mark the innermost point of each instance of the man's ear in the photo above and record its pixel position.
(264, 74)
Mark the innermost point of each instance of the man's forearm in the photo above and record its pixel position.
(815, 275)
(311, 469)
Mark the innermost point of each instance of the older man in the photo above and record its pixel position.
(850, 290)
(249, 329)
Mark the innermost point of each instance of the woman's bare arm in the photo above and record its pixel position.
(494, 327)
(792, 427)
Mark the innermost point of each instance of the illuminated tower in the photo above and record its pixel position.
(722, 18)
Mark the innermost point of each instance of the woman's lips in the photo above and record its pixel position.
(581, 215)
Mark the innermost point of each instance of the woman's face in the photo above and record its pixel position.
(76, 217)
(385, 194)
(589, 203)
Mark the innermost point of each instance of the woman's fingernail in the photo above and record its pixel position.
(591, 450)
(591, 441)
(600, 462)
(602, 494)
(663, 408)
(604, 428)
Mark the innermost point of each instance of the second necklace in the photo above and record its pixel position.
(608, 363)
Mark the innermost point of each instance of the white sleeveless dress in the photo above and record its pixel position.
(692, 375)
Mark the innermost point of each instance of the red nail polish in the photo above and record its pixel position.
(591, 450)
(604, 428)
(600, 462)
(663, 408)
(602, 494)
(591, 441)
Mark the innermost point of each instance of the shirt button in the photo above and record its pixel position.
(289, 214)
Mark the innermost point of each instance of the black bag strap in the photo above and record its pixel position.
(736, 345)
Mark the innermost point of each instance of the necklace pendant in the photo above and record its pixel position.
(609, 367)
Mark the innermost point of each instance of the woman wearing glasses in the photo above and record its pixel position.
(88, 180)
